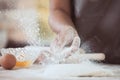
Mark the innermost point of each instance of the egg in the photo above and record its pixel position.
(8, 61)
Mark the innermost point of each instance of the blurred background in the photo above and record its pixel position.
(45, 31)
(26, 21)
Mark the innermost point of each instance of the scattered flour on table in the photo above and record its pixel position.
(82, 68)
(85, 68)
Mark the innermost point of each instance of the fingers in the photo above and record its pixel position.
(65, 53)
(39, 59)
(53, 45)
(64, 38)
(58, 44)
(76, 44)
(74, 48)
(43, 56)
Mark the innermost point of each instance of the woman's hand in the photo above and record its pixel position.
(47, 56)
(65, 37)
(58, 47)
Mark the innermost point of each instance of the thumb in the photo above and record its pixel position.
(74, 47)
(75, 44)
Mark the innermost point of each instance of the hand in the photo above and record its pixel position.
(57, 47)
(68, 51)
(64, 38)
(43, 57)
(46, 55)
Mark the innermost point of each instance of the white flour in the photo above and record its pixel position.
(54, 69)
(74, 70)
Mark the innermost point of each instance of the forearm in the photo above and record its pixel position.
(59, 20)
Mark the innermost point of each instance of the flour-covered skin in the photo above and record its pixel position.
(63, 38)
(69, 55)
(49, 57)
